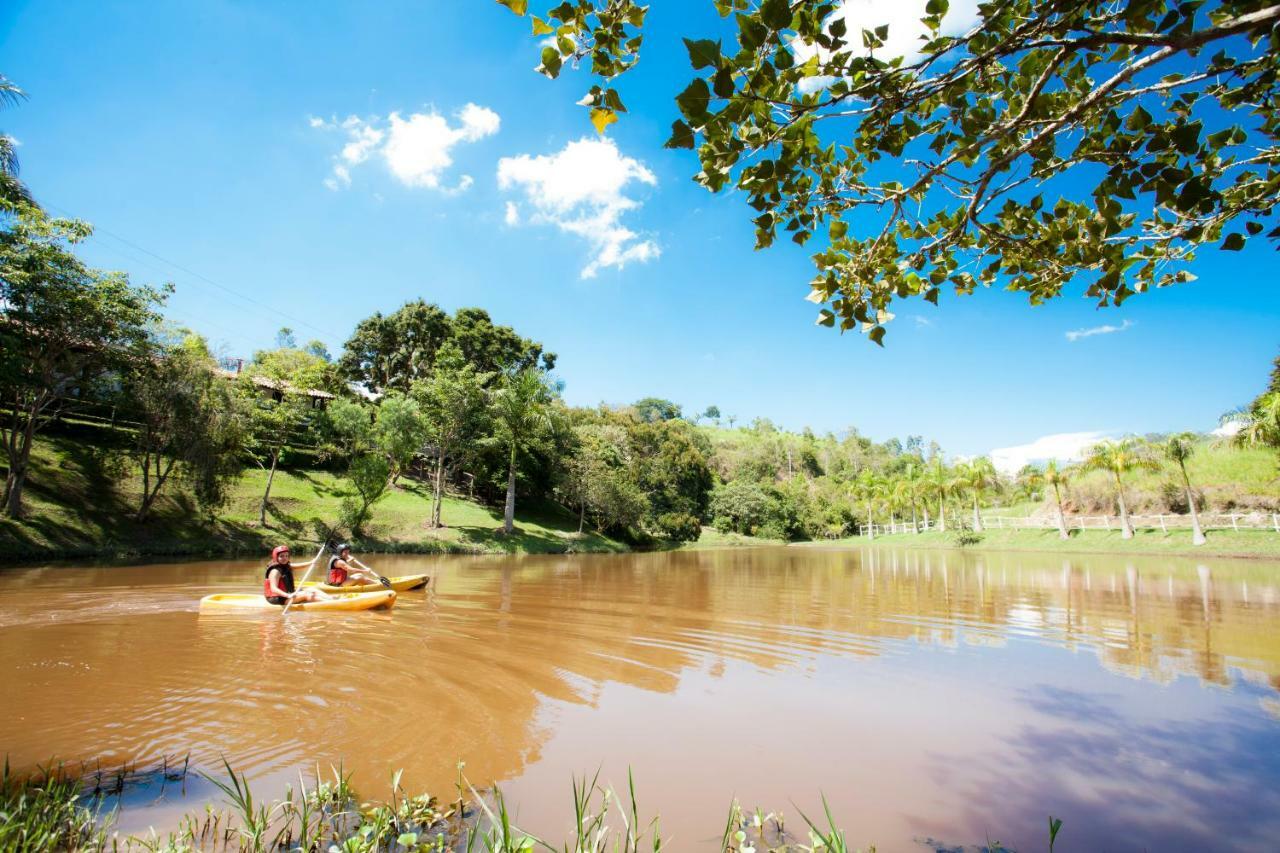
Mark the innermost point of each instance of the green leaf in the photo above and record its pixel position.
(776, 14)
(876, 333)
(1233, 243)
(936, 7)
(694, 100)
(551, 62)
(517, 6)
(826, 318)
(839, 228)
(613, 101)
(681, 136)
(703, 53)
(602, 118)
(722, 83)
(541, 27)
(407, 839)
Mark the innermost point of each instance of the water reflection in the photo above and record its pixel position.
(931, 694)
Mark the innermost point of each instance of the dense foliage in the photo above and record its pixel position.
(1048, 144)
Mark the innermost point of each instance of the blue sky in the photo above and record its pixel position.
(201, 138)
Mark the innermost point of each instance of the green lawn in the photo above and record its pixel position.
(1222, 543)
(77, 505)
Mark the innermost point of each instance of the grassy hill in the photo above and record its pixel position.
(81, 503)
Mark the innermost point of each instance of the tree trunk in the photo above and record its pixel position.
(942, 516)
(19, 463)
(438, 497)
(1062, 519)
(977, 517)
(582, 516)
(915, 519)
(509, 513)
(925, 508)
(13, 490)
(266, 496)
(871, 525)
(1126, 529)
(150, 494)
(1197, 535)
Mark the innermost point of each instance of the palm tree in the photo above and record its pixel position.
(521, 409)
(908, 490)
(978, 476)
(1178, 448)
(1057, 478)
(12, 190)
(940, 486)
(1259, 423)
(868, 488)
(1119, 458)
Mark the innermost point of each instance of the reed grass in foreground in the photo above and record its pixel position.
(56, 810)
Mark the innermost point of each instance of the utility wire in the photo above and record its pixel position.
(204, 278)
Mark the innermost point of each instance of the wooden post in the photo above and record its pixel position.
(1234, 526)
(1275, 522)
(1107, 519)
(1163, 529)
(1000, 522)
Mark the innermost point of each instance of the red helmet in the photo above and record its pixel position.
(277, 551)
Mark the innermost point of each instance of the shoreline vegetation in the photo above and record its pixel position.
(55, 809)
(1243, 544)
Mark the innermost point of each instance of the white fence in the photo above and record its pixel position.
(1208, 521)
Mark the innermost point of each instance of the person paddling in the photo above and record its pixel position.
(343, 570)
(277, 585)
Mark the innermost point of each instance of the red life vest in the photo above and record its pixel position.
(337, 575)
(286, 579)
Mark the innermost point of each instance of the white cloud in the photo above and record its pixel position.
(1228, 429)
(580, 189)
(921, 321)
(1063, 446)
(905, 28)
(417, 148)
(1077, 334)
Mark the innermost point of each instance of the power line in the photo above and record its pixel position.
(204, 278)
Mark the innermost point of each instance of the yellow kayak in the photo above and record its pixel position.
(358, 601)
(399, 584)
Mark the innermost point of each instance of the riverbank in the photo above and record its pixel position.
(79, 506)
(1249, 544)
(56, 811)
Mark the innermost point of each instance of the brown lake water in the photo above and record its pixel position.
(937, 699)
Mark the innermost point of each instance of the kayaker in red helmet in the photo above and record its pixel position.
(343, 571)
(277, 585)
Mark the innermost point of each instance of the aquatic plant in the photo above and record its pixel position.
(49, 811)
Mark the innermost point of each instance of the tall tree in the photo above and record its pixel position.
(274, 388)
(452, 402)
(978, 476)
(399, 432)
(521, 409)
(1043, 144)
(13, 192)
(1057, 477)
(64, 328)
(1178, 449)
(392, 352)
(1258, 423)
(189, 424)
(653, 409)
(1119, 458)
(869, 488)
(670, 467)
(941, 486)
